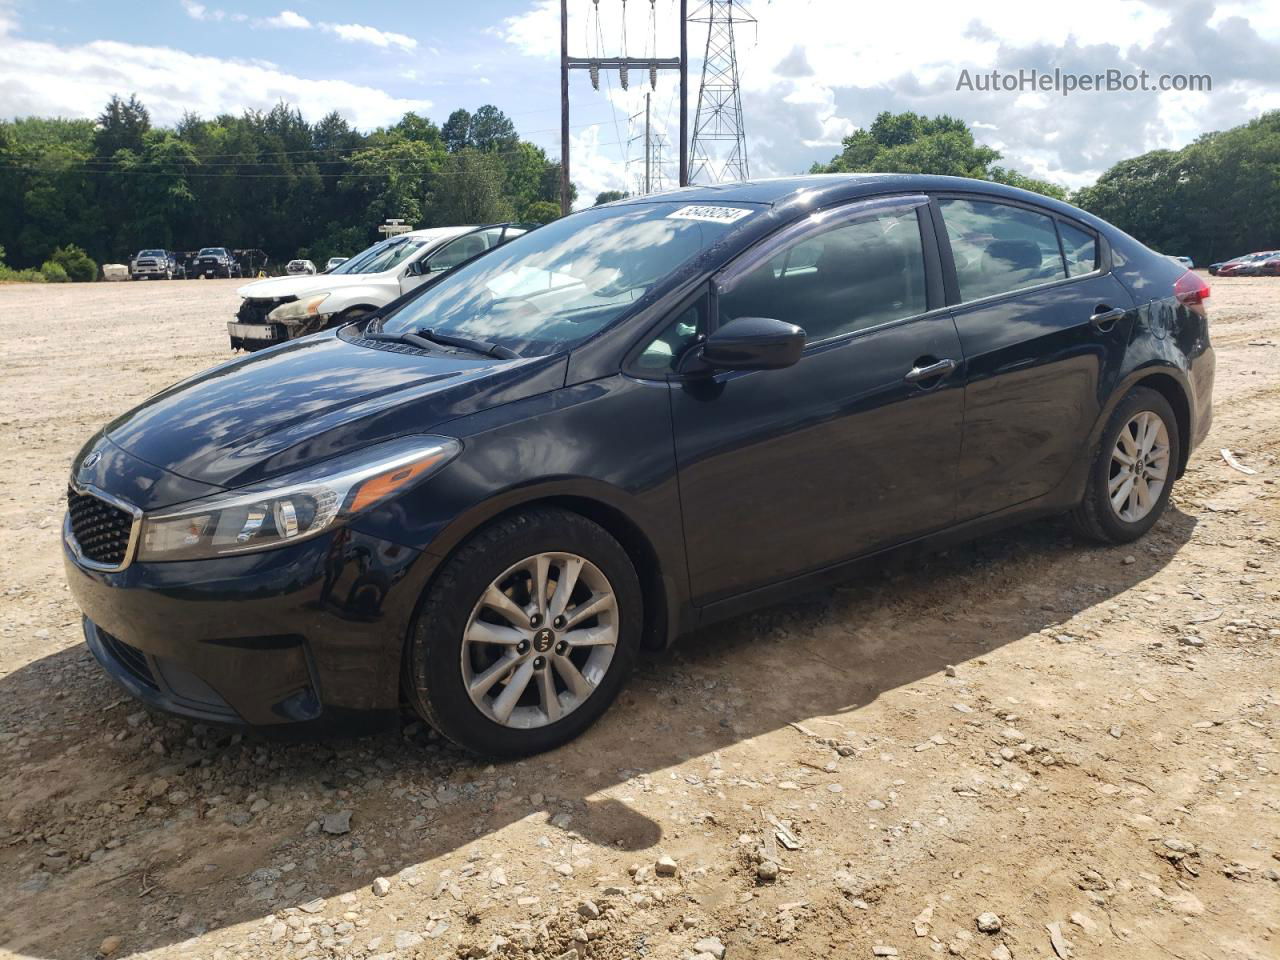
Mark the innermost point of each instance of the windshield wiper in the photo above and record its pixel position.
(426, 339)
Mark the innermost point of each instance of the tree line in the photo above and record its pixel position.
(263, 180)
(1216, 198)
(77, 191)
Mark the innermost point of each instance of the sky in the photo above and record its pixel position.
(811, 71)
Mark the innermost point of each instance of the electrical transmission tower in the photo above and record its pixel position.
(719, 117)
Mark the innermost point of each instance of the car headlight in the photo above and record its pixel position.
(294, 507)
(298, 309)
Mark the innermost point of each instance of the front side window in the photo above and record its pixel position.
(559, 284)
(848, 278)
(998, 248)
(383, 256)
(665, 351)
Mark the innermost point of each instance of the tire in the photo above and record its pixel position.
(440, 661)
(1097, 517)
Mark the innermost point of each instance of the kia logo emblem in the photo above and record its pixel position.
(91, 460)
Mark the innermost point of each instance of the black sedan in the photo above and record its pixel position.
(484, 500)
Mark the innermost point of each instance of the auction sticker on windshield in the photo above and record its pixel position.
(709, 212)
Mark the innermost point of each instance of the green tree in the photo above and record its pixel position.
(469, 189)
(457, 131)
(912, 143)
(54, 272)
(75, 262)
(1216, 198)
(608, 196)
(492, 130)
(541, 211)
(121, 126)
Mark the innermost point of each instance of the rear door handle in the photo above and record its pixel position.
(934, 370)
(1104, 316)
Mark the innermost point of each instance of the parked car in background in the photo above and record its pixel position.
(1270, 267)
(300, 267)
(1185, 261)
(216, 262)
(283, 308)
(151, 265)
(333, 262)
(177, 266)
(1216, 268)
(1254, 266)
(1241, 266)
(483, 502)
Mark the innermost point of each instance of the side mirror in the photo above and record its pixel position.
(414, 269)
(753, 343)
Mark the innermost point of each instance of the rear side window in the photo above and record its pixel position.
(1079, 248)
(848, 278)
(998, 248)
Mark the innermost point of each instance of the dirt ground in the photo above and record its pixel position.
(1079, 741)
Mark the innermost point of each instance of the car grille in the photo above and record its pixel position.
(131, 659)
(255, 311)
(101, 530)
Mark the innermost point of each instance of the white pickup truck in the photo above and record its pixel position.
(283, 308)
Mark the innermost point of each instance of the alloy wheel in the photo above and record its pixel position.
(1139, 467)
(540, 640)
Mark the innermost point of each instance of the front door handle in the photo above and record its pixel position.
(1104, 317)
(932, 371)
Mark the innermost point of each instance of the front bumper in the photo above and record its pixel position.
(306, 639)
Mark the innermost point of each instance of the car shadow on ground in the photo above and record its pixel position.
(93, 844)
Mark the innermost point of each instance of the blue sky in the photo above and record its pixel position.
(813, 70)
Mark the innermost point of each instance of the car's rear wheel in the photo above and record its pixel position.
(1133, 470)
(526, 635)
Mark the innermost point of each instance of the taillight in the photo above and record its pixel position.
(1191, 289)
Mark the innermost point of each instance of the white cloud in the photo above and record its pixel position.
(815, 71)
(348, 32)
(359, 33)
(75, 81)
(536, 32)
(288, 20)
(198, 11)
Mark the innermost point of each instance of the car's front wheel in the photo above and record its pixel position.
(1133, 470)
(526, 635)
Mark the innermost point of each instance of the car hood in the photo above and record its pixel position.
(312, 399)
(299, 285)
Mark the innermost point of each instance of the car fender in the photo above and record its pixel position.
(1151, 366)
(658, 557)
(367, 295)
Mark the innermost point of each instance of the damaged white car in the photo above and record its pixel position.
(284, 308)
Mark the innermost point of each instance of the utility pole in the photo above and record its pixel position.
(566, 200)
(684, 93)
(622, 64)
(648, 147)
(719, 97)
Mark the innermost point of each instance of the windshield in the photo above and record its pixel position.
(559, 284)
(151, 253)
(212, 252)
(384, 255)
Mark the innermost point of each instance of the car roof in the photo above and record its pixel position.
(793, 195)
(439, 233)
